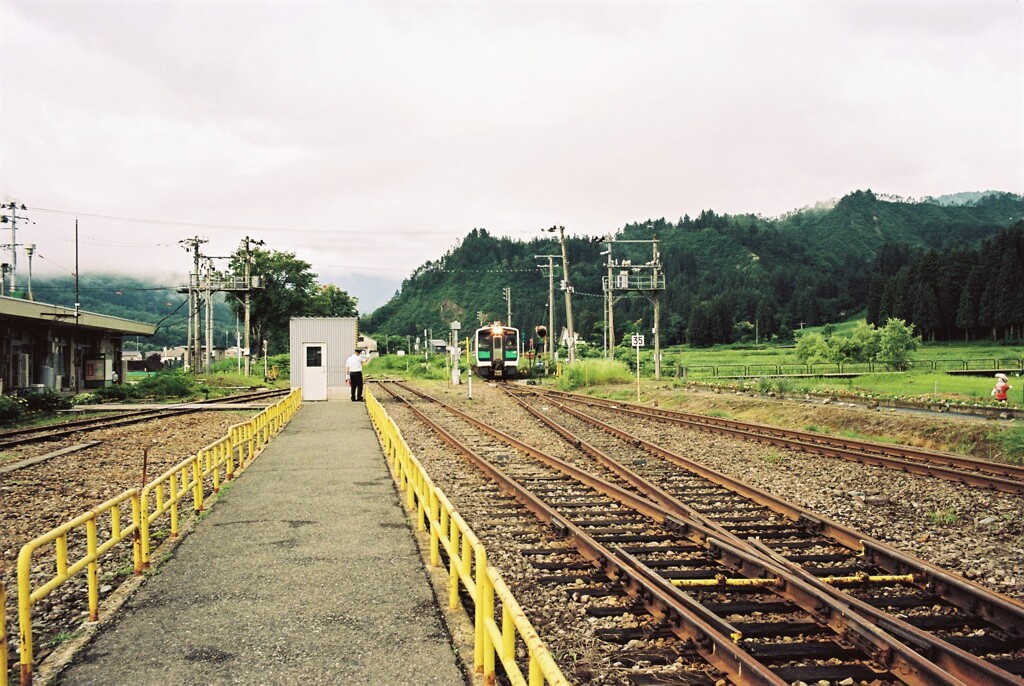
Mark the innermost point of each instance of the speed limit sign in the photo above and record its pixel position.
(638, 340)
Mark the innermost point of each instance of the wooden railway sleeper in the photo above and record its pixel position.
(817, 524)
(1001, 611)
(967, 667)
(835, 611)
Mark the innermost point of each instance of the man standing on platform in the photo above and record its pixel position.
(354, 376)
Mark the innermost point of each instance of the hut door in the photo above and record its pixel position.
(314, 371)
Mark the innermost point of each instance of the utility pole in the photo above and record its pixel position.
(567, 287)
(609, 308)
(208, 357)
(551, 303)
(13, 219)
(249, 242)
(74, 339)
(648, 279)
(29, 250)
(193, 300)
(508, 305)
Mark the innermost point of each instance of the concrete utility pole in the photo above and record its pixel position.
(249, 242)
(609, 332)
(567, 287)
(193, 343)
(551, 303)
(29, 250)
(508, 305)
(13, 219)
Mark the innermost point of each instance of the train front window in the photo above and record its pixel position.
(511, 345)
(483, 344)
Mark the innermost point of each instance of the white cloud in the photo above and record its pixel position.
(376, 134)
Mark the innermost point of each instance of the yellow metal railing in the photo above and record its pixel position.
(467, 566)
(66, 567)
(221, 460)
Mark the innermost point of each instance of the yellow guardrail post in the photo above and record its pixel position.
(480, 634)
(467, 563)
(437, 525)
(453, 565)
(3, 637)
(197, 485)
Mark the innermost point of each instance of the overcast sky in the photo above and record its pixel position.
(369, 137)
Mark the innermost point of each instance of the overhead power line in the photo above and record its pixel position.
(239, 227)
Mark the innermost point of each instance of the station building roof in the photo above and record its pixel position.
(31, 310)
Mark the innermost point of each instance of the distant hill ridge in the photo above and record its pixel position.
(728, 277)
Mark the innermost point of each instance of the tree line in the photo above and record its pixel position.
(964, 293)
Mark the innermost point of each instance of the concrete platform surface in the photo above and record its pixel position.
(304, 572)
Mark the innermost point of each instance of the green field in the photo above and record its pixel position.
(761, 366)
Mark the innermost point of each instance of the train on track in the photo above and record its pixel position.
(496, 352)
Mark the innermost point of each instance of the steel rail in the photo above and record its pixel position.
(25, 436)
(958, 468)
(1003, 611)
(688, 620)
(830, 610)
(951, 658)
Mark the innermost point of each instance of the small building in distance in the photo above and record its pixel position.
(54, 347)
(367, 346)
(318, 348)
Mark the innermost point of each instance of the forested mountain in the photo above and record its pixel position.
(728, 277)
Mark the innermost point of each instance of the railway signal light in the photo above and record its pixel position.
(542, 331)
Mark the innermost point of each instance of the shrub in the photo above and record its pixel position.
(173, 383)
(85, 399)
(46, 401)
(11, 409)
(122, 392)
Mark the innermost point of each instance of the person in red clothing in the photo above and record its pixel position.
(1002, 388)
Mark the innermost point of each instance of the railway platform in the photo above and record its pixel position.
(304, 572)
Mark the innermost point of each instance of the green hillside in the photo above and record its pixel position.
(728, 277)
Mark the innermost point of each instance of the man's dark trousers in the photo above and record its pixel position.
(356, 382)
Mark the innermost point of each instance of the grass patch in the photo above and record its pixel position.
(1011, 441)
(857, 435)
(593, 372)
(774, 457)
(721, 414)
(118, 574)
(407, 367)
(944, 517)
(60, 639)
(814, 428)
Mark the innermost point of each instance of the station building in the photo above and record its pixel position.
(51, 347)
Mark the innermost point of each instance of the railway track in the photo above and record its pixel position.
(771, 596)
(25, 436)
(1007, 478)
